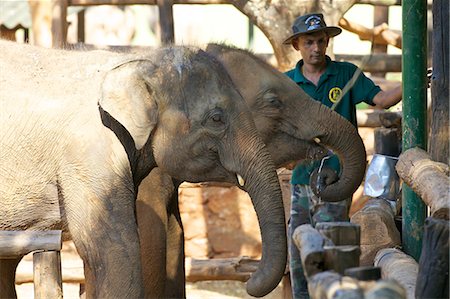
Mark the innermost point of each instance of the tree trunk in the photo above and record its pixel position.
(275, 19)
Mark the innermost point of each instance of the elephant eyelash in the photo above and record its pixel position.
(216, 116)
(272, 98)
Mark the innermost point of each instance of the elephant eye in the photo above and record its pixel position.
(215, 117)
(272, 98)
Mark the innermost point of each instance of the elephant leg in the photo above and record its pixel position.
(7, 277)
(154, 194)
(103, 228)
(176, 280)
(87, 290)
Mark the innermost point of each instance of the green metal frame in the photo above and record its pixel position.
(414, 68)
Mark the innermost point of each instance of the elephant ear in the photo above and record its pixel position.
(127, 96)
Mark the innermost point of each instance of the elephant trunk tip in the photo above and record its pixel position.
(269, 274)
(258, 288)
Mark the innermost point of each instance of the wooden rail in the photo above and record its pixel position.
(46, 246)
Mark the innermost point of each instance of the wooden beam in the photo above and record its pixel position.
(310, 245)
(386, 289)
(375, 118)
(239, 269)
(377, 62)
(429, 179)
(398, 266)
(378, 229)
(17, 243)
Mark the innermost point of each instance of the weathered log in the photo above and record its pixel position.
(386, 289)
(329, 284)
(47, 275)
(310, 245)
(18, 243)
(339, 258)
(238, 269)
(429, 179)
(376, 62)
(377, 118)
(340, 233)
(378, 229)
(399, 266)
(433, 277)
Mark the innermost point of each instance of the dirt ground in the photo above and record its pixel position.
(70, 261)
(198, 290)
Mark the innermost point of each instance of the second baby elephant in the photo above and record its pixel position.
(80, 130)
(290, 123)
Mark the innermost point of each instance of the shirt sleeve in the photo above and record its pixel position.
(364, 90)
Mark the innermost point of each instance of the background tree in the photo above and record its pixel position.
(275, 19)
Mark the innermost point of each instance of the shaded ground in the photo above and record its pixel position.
(198, 290)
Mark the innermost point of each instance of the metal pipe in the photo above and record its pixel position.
(414, 66)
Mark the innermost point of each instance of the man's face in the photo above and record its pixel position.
(312, 47)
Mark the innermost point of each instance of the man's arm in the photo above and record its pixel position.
(386, 99)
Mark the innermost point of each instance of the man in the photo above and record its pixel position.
(324, 80)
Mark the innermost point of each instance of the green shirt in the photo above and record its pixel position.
(330, 84)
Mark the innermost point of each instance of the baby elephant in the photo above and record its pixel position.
(80, 130)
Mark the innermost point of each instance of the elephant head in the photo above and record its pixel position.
(179, 110)
(291, 123)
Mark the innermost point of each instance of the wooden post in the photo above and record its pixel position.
(46, 262)
(378, 229)
(433, 277)
(388, 141)
(399, 266)
(439, 123)
(166, 21)
(340, 258)
(47, 275)
(380, 16)
(310, 244)
(59, 23)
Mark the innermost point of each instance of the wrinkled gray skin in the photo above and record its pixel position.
(288, 121)
(79, 131)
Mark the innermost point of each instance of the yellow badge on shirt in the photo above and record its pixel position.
(334, 94)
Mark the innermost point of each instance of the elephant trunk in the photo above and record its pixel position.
(338, 134)
(262, 185)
